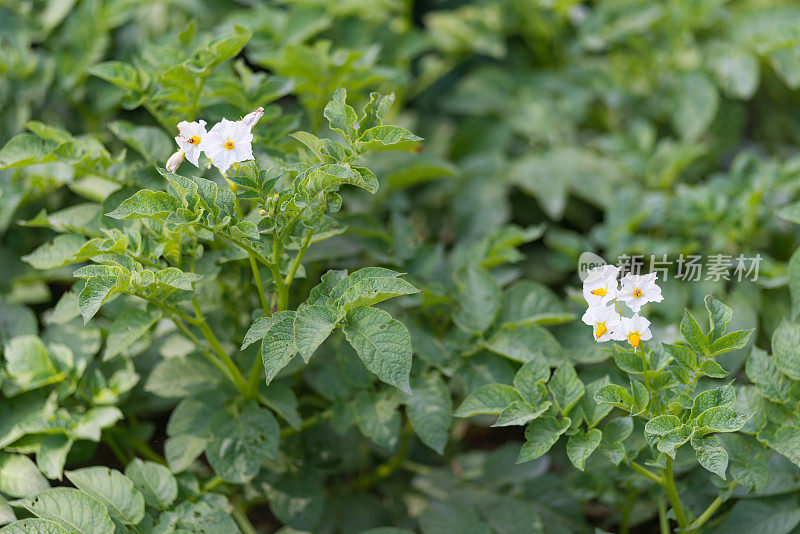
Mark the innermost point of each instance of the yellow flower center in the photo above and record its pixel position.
(600, 292)
(193, 140)
(601, 329)
(228, 145)
(637, 293)
(634, 338)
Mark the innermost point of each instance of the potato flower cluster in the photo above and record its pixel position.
(603, 294)
(226, 143)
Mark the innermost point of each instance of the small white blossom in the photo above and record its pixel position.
(175, 161)
(228, 142)
(633, 329)
(190, 137)
(638, 290)
(251, 119)
(604, 320)
(600, 286)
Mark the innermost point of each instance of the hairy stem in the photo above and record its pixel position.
(298, 259)
(646, 472)
(712, 508)
(672, 494)
(202, 324)
(240, 515)
(663, 521)
(253, 265)
(624, 523)
(305, 424)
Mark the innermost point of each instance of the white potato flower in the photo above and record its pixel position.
(638, 290)
(633, 329)
(600, 286)
(228, 142)
(252, 118)
(175, 161)
(190, 137)
(604, 320)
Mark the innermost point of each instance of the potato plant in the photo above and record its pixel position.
(298, 267)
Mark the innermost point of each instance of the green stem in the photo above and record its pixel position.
(298, 259)
(649, 474)
(212, 483)
(624, 524)
(240, 515)
(672, 494)
(253, 265)
(663, 521)
(202, 324)
(208, 354)
(712, 508)
(391, 465)
(144, 449)
(280, 286)
(305, 424)
(250, 250)
(116, 449)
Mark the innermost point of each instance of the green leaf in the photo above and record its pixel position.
(719, 315)
(28, 365)
(312, 326)
(375, 110)
(35, 526)
(127, 328)
(147, 204)
(711, 454)
(341, 117)
(182, 450)
(448, 518)
(529, 376)
(74, 510)
(763, 371)
(520, 413)
(52, 454)
(683, 356)
(149, 141)
(182, 376)
(196, 517)
(378, 419)
(428, 409)
(735, 69)
(694, 335)
(26, 149)
(174, 277)
(488, 399)
(369, 286)
(242, 441)
(524, 343)
(120, 74)
(478, 299)
(641, 397)
(580, 446)
(786, 349)
(723, 396)
(775, 515)
(61, 251)
(278, 346)
(721, 419)
(19, 476)
(615, 396)
(96, 291)
(728, 342)
(566, 387)
(154, 482)
(660, 425)
(669, 442)
(311, 141)
(713, 369)
(382, 343)
(125, 504)
(382, 136)
(540, 436)
(695, 105)
(297, 501)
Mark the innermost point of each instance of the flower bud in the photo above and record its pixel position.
(251, 119)
(174, 161)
